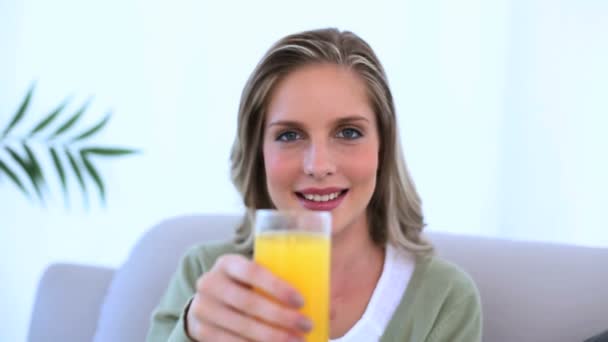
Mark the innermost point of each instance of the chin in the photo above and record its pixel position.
(338, 227)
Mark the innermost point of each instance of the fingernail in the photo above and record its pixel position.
(304, 324)
(296, 300)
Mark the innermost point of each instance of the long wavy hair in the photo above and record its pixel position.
(394, 212)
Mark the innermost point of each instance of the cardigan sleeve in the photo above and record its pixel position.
(168, 319)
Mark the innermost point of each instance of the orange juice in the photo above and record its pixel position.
(302, 260)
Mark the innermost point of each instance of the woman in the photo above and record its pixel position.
(317, 124)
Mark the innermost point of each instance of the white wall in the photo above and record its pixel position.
(554, 145)
(501, 108)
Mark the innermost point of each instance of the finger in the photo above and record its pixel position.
(243, 270)
(251, 303)
(223, 317)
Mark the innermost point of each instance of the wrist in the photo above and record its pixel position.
(186, 319)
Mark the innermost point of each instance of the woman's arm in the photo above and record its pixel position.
(168, 319)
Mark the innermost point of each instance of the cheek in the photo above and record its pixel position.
(281, 171)
(362, 166)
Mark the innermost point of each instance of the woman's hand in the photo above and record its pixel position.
(226, 308)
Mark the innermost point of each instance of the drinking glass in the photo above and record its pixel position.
(295, 246)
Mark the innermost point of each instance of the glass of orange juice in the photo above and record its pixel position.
(295, 246)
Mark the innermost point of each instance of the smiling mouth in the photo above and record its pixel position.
(316, 198)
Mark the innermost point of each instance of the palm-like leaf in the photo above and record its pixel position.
(20, 112)
(76, 169)
(42, 125)
(39, 178)
(60, 171)
(95, 175)
(108, 152)
(71, 121)
(14, 178)
(29, 168)
(78, 157)
(89, 132)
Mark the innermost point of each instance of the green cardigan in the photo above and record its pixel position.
(441, 302)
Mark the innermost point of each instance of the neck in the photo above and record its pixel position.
(353, 251)
(353, 256)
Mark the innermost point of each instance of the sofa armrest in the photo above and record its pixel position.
(68, 301)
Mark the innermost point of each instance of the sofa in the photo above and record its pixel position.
(530, 291)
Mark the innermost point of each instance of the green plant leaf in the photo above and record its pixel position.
(14, 178)
(60, 170)
(71, 121)
(95, 175)
(28, 168)
(76, 168)
(108, 152)
(42, 125)
(39, 177)
(20, 112)
(93, 129)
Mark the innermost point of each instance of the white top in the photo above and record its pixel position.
(396, 273)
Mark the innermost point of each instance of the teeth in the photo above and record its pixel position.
(322, 198)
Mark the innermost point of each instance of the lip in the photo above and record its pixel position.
(322, 206)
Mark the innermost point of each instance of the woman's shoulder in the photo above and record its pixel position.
(445, 274)
(204, 255)
(438, 268)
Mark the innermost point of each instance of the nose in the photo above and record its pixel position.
(318, 160)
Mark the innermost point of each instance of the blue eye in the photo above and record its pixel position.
(288, 136)
(349, 134)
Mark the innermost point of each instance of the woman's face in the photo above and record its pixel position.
(321, 144)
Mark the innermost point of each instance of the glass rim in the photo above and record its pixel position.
(322, 217)
(291, 212)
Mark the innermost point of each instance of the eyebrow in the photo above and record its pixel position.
(338, 121)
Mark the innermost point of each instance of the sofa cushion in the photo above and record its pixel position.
(533, 291)
(138, 285)
(68, 293)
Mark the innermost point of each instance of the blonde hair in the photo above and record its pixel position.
(394, 211)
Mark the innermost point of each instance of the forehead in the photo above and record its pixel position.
(317, 93)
